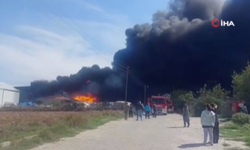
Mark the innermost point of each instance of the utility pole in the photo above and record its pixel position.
(126, 93)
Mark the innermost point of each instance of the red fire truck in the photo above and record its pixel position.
(170, 106)
(162, 103)
(238, 106)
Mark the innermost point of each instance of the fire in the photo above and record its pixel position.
(85, 98)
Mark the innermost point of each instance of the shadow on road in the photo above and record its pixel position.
(175, 127)
(190, 145)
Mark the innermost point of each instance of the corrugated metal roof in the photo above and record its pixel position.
(5, 86)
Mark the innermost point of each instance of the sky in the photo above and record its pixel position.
(41, 39)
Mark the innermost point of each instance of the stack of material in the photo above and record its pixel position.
(119, 105)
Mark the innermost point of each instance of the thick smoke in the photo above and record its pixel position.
(92, 88)
(92, 80)
(178, 50)
(114, 81)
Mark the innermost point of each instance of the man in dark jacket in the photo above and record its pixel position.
(216, 125)
(131, 111)
(139, 110)
(126, 110)
(154, 110)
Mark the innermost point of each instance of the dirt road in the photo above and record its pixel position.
(161, 133)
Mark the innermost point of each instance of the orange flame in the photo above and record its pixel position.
(85, 98)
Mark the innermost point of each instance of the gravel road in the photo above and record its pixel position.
(161, 133)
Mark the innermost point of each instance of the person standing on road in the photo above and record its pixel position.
(126, 109)
(139, 110)
(147, 111)
(185, 113)
(154, 110)
(207, 122)
(131, 113)
(216, 125)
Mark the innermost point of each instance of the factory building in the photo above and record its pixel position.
(8, 95)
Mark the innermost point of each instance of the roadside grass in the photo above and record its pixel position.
(224, 118)
(235, 132)
(236, 148)
(26, 130)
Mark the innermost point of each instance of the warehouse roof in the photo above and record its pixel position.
(5, 86)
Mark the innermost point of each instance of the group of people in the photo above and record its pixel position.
(209, 122)
(209, 119)
(140, 108)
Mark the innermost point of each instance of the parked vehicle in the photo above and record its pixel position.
(160, 103)
(118, 105)
(238, 106)
(170, 106)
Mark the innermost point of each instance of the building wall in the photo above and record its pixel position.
(25, 93)
(24, 97)
(1, 98)
(7, 96)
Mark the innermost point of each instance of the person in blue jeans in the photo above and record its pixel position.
(147, 111)
(139, 110)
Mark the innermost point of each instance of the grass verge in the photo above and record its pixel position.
(28, 129)
(235, 132)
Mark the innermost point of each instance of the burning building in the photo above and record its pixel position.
(179, 49)
(88, 98)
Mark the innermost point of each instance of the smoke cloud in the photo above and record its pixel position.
(114, 81)
(179, 49)
(93, 88)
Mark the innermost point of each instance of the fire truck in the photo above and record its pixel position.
(239, 106)
(170, 106)
(236, 106)
(162, 103)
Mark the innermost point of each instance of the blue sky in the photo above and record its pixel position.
(41, 39)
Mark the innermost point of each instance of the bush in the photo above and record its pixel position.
(216, 95)
(241, 118)
(200, 104)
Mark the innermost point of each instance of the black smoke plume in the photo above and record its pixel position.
(181, 49)
(95, 80)
(178, 50)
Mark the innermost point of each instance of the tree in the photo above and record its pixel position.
(181, 96)
(216, 92)
(187, 97)
(241, 84)
(175, 94)
(215, 95)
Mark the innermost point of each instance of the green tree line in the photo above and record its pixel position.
(216, 94)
